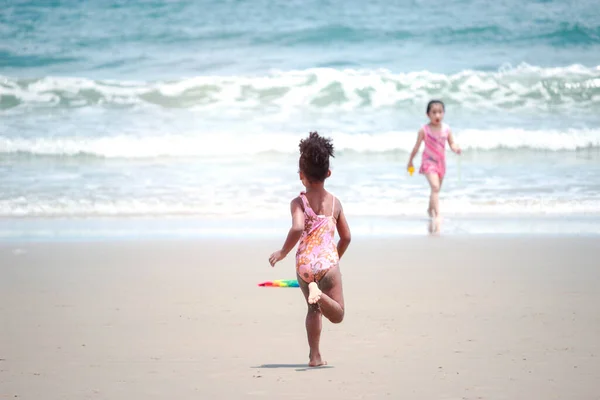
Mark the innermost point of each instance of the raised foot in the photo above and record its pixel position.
(314, 293)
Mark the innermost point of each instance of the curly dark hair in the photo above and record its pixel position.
(314, 156)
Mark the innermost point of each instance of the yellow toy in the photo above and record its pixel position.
(411, 170)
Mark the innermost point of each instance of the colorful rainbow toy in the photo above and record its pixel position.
(280, 283)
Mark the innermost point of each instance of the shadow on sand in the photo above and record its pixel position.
(297, 367)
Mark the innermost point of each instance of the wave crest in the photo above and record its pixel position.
(223, 144)
(508, 89)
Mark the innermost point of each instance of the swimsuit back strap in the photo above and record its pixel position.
(333, 207)
(306, 204)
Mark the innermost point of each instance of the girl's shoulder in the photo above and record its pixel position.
(298, 200)
(336, 201)
(333, 196)
(444, 131)
(336, 206)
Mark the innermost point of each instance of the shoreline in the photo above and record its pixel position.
(189, 227)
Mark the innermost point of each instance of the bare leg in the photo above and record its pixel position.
(331, 301)
(434, 197)
(434, 201)
(313, 327)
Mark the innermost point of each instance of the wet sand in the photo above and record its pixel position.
(426, 318)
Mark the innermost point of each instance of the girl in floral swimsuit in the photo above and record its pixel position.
(316, 214)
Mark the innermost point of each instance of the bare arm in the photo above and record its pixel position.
(453, 146)
(297, 228)
(343, 230)
(294, 233)
(415, 150)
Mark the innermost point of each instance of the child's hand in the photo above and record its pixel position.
(410, 165)
(456, 149)
(276, 257)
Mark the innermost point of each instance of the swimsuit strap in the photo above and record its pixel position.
(333, 208)
(308, 208)
(306, 204)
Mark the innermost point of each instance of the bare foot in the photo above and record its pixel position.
(431, 224)
(314, 293)
(316, 361)
(436, 224)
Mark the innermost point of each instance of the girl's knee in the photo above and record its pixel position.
(435, 188)
(313, 308)
(336, 319)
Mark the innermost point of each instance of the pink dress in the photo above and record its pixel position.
(434, 155)
(317, 251)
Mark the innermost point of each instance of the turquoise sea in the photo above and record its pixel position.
(130, 117)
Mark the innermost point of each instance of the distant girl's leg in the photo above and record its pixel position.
(313, 327)
(434, 198)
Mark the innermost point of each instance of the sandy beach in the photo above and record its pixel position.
(426, 318)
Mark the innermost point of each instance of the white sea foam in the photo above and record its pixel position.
(223, 144)
(522, 87)
(256, 208)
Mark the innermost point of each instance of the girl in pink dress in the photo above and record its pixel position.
(316, 215)
(435, 134)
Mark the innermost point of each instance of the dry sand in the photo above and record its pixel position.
(426, 318)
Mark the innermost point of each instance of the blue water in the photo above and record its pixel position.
(195, 108)
(148, 40)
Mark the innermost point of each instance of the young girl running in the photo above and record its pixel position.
(316, 214)
(433, 163)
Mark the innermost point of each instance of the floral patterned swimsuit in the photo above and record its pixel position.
(434, 153)
(317, 251)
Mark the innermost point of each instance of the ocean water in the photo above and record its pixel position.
(194, 109)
